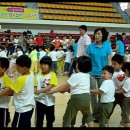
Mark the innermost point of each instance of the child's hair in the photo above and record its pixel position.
(125, 66)
(2, 48)
(23, 61)
(52, 47)
(42, 47)
(46, 60)
(108, 68)
(4, 63)
(84, 64)
(71, 48)
(118, 58)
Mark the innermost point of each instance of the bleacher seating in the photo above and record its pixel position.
(16, 4)
(80, 11)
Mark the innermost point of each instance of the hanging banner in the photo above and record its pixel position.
(19, 13)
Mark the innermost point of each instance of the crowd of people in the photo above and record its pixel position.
(98, 78)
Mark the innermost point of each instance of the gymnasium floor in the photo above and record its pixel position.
(61, 102)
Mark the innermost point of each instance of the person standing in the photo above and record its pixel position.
(83, 41)
(100, 54)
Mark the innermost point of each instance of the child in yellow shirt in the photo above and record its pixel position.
(45, 103)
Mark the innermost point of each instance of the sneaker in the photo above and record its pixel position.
(83, 126)
(96, 120)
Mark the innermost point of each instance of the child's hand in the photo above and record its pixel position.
(37, 92)
(51, 91)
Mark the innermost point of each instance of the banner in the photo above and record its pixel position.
(19, 13)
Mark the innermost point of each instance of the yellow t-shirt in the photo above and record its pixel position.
(43, 81)
(52, 80)
(18, 84)
(5, 82)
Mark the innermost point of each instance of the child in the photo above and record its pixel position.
(41, 52)
(60, 62)
(45, 103)
(118, 79)
(2, 52)
(79, 85)
(4, 100)
(68, 58)
(126, 91)
(107, 92)
(53, 55)
(127, 56)
(23, 89)
(34, 59)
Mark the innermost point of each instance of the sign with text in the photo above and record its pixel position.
(19, 13)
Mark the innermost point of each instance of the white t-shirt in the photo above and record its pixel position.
(79, 83)
(16, 40)
(60, 54)
(19, 53)
(68, 57)
(3, 54)
(13, 60)
(118, 78)
(65, 43)
(44, 98)
(126, 87)
(24, 100)
(84, 40)
(127, 57)
(42, 54)
(53, 55)
(108, 89)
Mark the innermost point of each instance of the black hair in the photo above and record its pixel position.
(118, 58)
(108, 68)
(123, 33)
(84, 64)
(4, 63)
(23, 61)
(46, 60)
(104, 33)
(2, 47)
(119, 37)
(84, 27)
(71, 48)
(125, 66)
(52, 47)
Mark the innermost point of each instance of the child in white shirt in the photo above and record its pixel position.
(126, 91)
(107, 92)
(79, 85)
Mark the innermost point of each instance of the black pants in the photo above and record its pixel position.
(66, 67)
(4, 117)
(42, 110)
(22, 119)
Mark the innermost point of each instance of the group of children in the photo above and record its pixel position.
(31, 91)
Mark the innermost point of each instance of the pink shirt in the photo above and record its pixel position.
(83, 40)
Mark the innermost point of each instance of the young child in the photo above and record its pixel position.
(23, 97)
(107, 92)
(34, 59)
(45, 103)
(126, 91)
(68, 58)
(4, 100)
(53, 55)
(60, 61)
(3, 52)
(118, 79)
(79, 85)
(127, 55)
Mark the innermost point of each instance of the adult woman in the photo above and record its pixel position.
(119, 45)
(100, 54)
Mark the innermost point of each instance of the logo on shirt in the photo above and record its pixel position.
(121, 77)
(45, 83)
